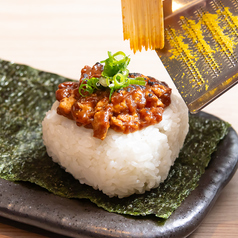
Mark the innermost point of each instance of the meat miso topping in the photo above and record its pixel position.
(129, 109)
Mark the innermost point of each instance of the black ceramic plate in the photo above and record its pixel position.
(32, 205)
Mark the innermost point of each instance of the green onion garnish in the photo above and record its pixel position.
(114, 76)
(88, 86)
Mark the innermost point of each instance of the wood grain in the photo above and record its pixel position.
(62, 36)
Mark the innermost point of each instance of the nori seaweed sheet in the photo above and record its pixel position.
(27, 94)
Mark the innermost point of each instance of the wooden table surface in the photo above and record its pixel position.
(62, 36)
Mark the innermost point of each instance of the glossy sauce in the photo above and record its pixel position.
(131, 108)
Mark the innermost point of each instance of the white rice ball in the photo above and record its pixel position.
(121, 164)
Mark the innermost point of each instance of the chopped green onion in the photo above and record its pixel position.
(114, 76)
(88, 86)
(116, 63)
(119, 81)
(138, 81)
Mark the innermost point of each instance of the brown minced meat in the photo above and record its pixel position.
(130, 109)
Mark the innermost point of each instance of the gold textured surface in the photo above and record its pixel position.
(201, 50)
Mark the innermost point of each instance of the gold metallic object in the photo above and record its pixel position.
(201, 48)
